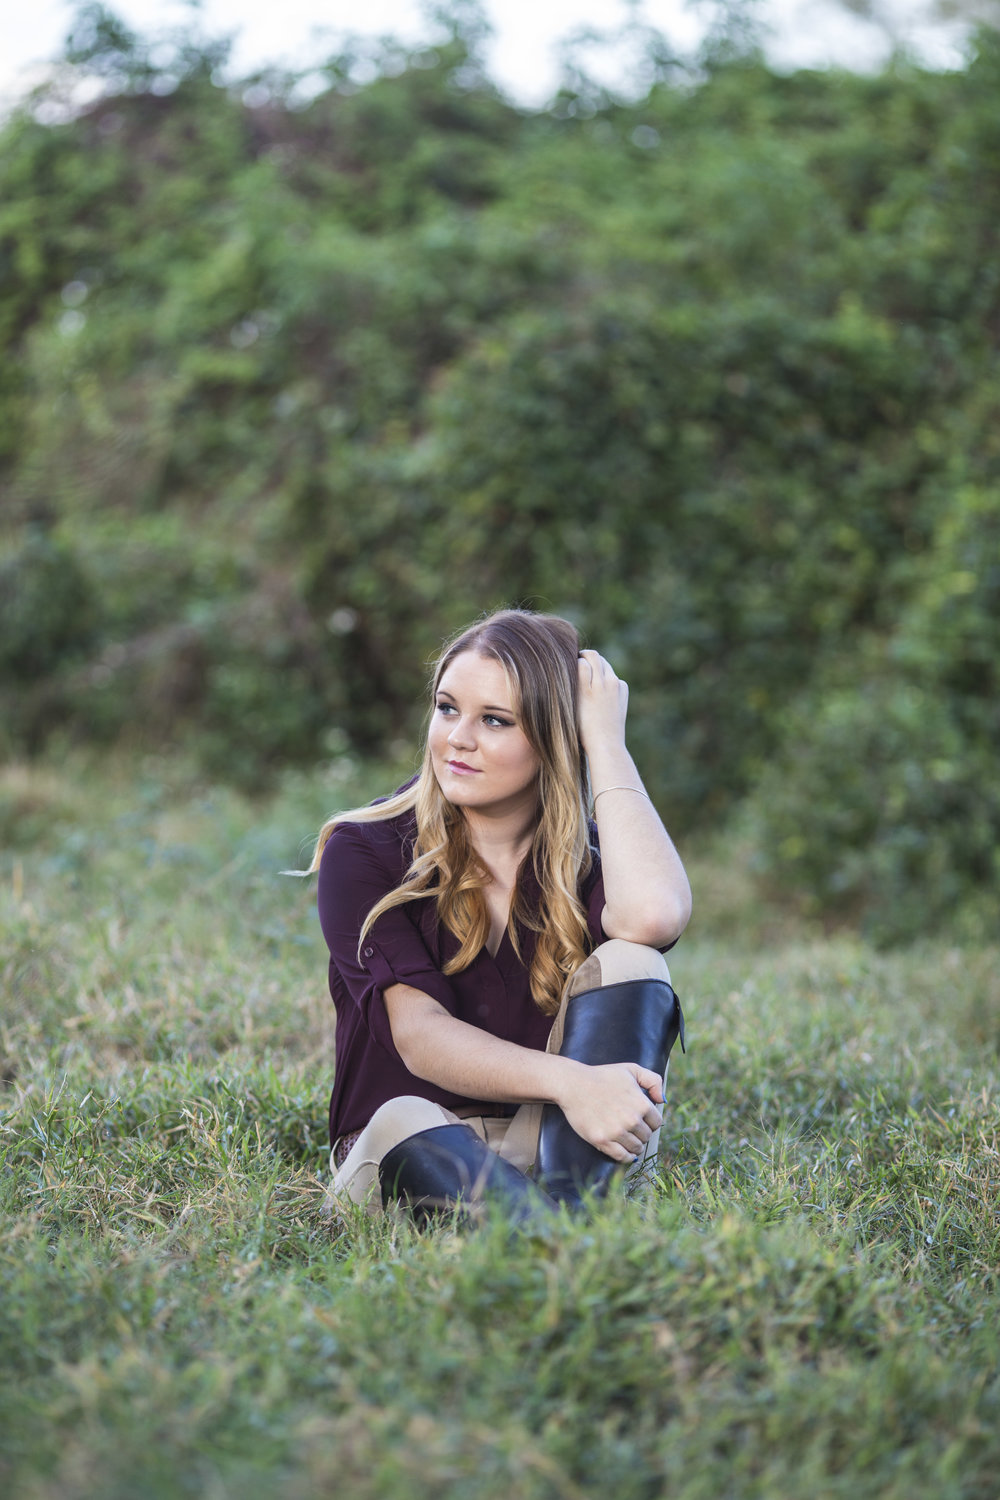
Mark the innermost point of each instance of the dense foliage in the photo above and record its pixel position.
(292, 387)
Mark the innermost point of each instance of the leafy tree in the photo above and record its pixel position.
(293, 387)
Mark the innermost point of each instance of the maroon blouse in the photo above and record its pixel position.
(361, 863)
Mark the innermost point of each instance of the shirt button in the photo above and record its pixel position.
(369, 952)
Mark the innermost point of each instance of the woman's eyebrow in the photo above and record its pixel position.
(487, 708)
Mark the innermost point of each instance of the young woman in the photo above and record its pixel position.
(501, 1002)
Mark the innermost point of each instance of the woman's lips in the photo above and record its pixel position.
(461, 768)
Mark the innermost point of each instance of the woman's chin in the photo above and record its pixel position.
(454, 787)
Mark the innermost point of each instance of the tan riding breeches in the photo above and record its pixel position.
(514, 1137)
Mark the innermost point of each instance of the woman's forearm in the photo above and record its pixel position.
(464, 1059)
(647, 894)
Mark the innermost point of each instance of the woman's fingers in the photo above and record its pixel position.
(649, 1081)
(603, 699)
(634, 1138)
(608, 1105)
(618, 1152)
(595, 669)
(632, 1143)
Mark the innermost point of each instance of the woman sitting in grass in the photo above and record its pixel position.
(502, 1006)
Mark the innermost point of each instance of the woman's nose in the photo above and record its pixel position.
(461, 732)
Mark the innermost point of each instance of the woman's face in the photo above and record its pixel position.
(481, 756)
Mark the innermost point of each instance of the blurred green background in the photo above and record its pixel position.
(292, 387)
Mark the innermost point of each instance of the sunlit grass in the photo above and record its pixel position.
(803, 1305)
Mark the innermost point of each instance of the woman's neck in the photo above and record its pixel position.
(501, 841)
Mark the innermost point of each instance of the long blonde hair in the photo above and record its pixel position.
(539, 654)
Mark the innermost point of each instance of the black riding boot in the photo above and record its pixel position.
(635, 1021)
(449, 1164)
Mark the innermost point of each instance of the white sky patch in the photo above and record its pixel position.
(523, 56)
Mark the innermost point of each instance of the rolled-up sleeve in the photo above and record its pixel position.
(592, 890)
(357, 869)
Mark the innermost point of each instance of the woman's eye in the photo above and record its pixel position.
(493, 721)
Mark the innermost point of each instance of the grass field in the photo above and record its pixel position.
(804, 1305)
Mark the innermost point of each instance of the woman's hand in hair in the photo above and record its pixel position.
(616, 1106)
(603, 702)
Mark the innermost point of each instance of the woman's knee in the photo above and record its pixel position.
(394, 1122)
(398, 1119)
(618, 962)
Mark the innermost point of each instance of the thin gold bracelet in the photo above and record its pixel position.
(638, 789)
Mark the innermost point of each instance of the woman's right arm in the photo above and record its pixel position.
(615, 1107)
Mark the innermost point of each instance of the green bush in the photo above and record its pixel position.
(296, 388)
(883, 803)
(48, 620)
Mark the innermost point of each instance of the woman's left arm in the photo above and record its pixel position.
(647, 895)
